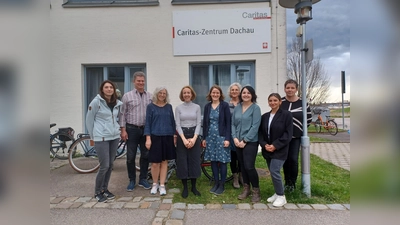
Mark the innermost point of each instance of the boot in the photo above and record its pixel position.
(241, 179)
(236, 180)
(220, 189)
(214, 188)
(245, 193)
(256, 195)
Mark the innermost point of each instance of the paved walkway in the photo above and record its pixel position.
(161, 210)
(336, 153)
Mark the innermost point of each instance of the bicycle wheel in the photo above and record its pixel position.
(207, 171)
(318, 126)
(332, 127)
(59, 145)
(121, 151)
(82, 156)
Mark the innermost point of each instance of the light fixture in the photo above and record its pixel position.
(240, 70)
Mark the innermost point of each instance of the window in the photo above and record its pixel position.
(204, 75)
(179, 2)
(121, 75)
(108, 3)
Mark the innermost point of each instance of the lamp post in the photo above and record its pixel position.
(303, 10)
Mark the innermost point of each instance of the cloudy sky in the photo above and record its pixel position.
(330, 31)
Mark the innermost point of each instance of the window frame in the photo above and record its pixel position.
(108, 3)
(188, 2)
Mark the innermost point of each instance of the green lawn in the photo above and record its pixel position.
(329, 184)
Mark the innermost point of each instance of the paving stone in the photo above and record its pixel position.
(152, 199)
(137, 199)
(179, 205)
(167, 200)
(56, 200)
(244, 206)
(70, 199)
(174, 222)
(101, 205)
(347, 206)
(88, 204)
(228, 206)
(165, 206)
(174, 190)
(83, 199)
(260, 206)
(177, 214)
(195, 206)
(51, 198)
(76, 205)
(290, 206)
(162, 213)
(63, 205)
(304, 206)
(213, 206)
(319, 206)
(117, 205)
(169, 195)
(155, 205)
(145, 205)
(157, 221)
(273, 207)
(52, 206)
(131, 205)
(124, 199)
(336, 206)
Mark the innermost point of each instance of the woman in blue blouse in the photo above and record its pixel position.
(246, 120)
(216, 133)
(159, 131)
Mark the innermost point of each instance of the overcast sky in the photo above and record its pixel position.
(330, 31)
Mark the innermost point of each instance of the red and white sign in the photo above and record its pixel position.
(228, 31)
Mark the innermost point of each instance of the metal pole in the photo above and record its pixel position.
(305, 140)
(343, 109)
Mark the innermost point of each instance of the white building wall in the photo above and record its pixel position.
(131, 35)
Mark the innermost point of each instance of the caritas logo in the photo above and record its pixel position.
(265, 45)
(255, 15)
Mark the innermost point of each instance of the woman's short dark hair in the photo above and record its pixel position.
(276, 95)
(114, 97)
(221, 97)
(291, 81)
(191, 90)
(252, 92)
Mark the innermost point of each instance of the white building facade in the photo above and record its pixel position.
(178, 43)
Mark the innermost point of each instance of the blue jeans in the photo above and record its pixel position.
(135, 139)
(106, 151)
(274, 166)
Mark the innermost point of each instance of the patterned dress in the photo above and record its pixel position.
(215, 150)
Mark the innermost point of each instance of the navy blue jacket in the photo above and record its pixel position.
(224, 123)
(281, 133)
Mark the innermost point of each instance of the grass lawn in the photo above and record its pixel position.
(329, 184)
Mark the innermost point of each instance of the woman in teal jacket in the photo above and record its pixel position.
(103, 127)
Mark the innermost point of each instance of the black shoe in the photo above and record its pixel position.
(196, 192)
(101, 197)
(214, 188)
(185, 193)
(109, 195)
(220, 189)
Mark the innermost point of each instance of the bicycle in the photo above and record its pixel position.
(83, 156)
(329, 125)
(60, 142)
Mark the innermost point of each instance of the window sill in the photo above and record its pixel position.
(190, 2)
(74, 4)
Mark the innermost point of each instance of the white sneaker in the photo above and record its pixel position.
(154, 189)
(272, 198)
(162, 190)
(280, 201)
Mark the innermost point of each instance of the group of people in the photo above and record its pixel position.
(232, 132)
